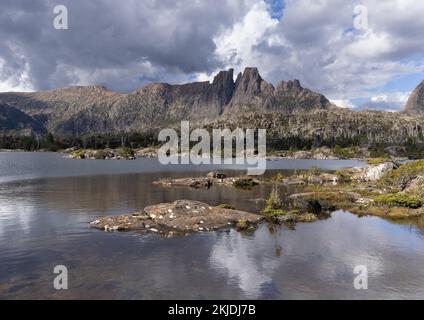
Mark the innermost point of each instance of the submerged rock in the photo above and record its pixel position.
(178, 218)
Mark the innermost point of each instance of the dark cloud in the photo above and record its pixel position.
(112, 41)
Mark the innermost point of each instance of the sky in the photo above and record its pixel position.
(369, 59)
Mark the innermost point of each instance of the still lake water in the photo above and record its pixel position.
(46, 202)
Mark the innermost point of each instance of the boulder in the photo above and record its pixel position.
(416, 185)
(216, 175)
(372, 172)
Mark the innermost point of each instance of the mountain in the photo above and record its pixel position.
(12, 119)
(293, 115)
(415, 104)
(78, 111)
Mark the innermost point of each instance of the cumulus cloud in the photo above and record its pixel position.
(391, 101)
(126, 44)
(315, 42)
(119, 43)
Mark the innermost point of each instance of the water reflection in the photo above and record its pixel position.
(44, 222)
(248, 262)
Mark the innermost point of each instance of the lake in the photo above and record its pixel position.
(47, 202)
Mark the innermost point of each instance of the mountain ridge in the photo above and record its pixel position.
(80, 110)
(292, 114)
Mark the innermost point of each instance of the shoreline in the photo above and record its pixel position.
(151, 152)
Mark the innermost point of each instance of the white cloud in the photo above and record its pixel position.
(20, 83)
(315, 43)
(343, 103)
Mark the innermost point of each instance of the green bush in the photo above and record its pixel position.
(375, 161)
(279, 177)
(315, 171)
(274, 212)
(344, 175)
(274, 205)
(399, 200)
(99, 155)
(245, 183)
(226, 206)
(400, 177)
(242, 225)
(341, 152)
(125, 152)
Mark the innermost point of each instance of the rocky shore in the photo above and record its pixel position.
(212, 178)
(389, 189)
(110, 154)
(321, 153)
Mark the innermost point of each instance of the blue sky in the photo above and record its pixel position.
(276, 8)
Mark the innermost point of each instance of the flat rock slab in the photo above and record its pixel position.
(181, 217)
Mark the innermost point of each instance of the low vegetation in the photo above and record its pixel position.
(398, 179)
(245, 183)
(375, 161)
(125, 152)
(226, 206)
(399, 200)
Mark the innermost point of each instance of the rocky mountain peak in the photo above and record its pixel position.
(415, 104)
(223, 86)
(251, 90)
(96, 110)
(224, 77)
(290, 85)
(249, 81)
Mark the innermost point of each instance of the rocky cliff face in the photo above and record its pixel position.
(415, 104)
(95, 110)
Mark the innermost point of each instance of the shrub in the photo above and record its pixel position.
(375, 161)
(125, 152)
(279, 177)
(400, 177)
(341, 152)
(307, 217)
(78, 154)
(344, 175)
(274, 204)
(245, 183)
(242, 225)
(226, 206)
(274, 212)
(99, 155)
(399, 200)
(274, 200)
(315, 171)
